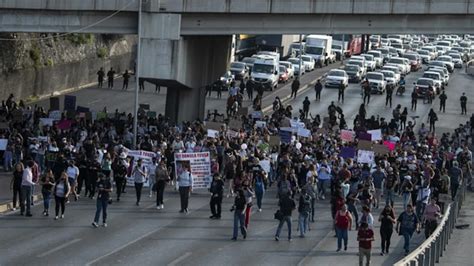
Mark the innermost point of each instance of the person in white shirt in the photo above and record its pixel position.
(152, 174)
(140, 176)
(72, 172)
(26, 187)
(185, 183)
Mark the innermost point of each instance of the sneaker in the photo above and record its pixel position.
(245, 236)
(94, 224)
(13, 209)
(137, 203)
(62, 216)
(276, 238)
(212, 217)
(186, 210)
(29, 215)
(345, 248)
(162, 206)
(104, 224)
(259, 210)
(44, 213)
(381, 253)
(234, 239)
(158, 207)
(55, 218)
(181, 211)
(338, 250)
(67, 201)
(290, 239)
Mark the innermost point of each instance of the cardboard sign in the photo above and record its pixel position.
(380, 149)
(274, 141)
(213, 125)
(235, 124)
(232, 134)
(375, 134)
(261, 124)
(212, 133)
(303, 132)
(365, 156)
(364, 145)
(347, 135)
(69, 102)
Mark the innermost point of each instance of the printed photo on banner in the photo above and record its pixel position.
(135, 155)
(200, 165)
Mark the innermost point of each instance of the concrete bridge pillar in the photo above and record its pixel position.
(185, 65)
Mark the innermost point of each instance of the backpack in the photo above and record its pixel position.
(306, 204)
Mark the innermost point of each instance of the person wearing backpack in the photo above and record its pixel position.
(284, 186)
(287, 205)
(304, 208)
(343, 223)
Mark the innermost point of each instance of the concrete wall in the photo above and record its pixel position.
(48, 79)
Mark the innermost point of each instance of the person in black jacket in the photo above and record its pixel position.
(104, 188)
(119, 167)
(217, 191)
(287, 205)
(239, 214)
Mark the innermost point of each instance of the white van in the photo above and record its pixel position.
(265, 71)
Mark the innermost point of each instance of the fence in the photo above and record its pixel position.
(429, 252)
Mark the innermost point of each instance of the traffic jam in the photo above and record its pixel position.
(381, 61)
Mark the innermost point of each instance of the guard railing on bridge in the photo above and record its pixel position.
(429, 252)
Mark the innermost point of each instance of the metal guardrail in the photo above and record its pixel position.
(429, 252)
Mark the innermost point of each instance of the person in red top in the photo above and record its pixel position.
(365, 236)
(343, 223)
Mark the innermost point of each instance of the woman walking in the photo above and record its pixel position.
(162, 177)
(139, 174)
(239, 215)
(47, 184)
(15, 184)
(104, 188)
(343, 222)
(387, 220)
(259, 188)
(61, 192)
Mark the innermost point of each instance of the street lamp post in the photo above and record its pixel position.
(301, 56)
(137, 76)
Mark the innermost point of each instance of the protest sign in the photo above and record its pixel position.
(297, 124)
(56, 115)
(285, 122)
(64, 124)
(375, 134)
(235, 124)
(303, 132)
(365, 156)
(213, 125)
(285, 136)
(380, 149)
(364, 145)
(3, 144)
(348, 152)
(200, 165)
(364, 136)
(212, 133)
(232, 134)
(69, 102)
(257, 114)
(146, 157)
(347, 135)
(390, 145)
(47, 121)
(274, 141)
(261, 124)
(265, 164)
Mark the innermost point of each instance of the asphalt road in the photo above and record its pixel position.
(145, 236)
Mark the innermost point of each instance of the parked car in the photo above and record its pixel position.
(370, 62)
(443, 72)
(437, 80)
(399, 62)
(227, 79)
(296, 66)
(377, 57)
(415, 61)
(239, 70)
(289, 67)
(358, 63)
(354, 73)
(309, 62)
(422, 86)
(391, 77)
(448, 61)
(334, 77)
(283, 71)
(457, 59)
(377, 82)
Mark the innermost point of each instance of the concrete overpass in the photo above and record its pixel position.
(176, 47)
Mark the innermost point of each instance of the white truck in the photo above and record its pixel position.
(265, 71)
(319, 47)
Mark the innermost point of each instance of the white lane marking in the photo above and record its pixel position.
(122, 247)
(59, 248)
(180, 258)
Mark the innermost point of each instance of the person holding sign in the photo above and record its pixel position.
(139, 175)
(185, 183)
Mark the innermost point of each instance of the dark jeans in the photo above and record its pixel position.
(110, 83)
(286, 219)
(216, 205)
(119, 183)
(16, 196)
(239, 220)
(367, 97)
(160, 191)
(60, 202)
(318, 95)
(138, 190)
(102, 204)
(340, 96)
(385, 235)
(463, 109)
(407, 234)
(454, 190)
(25, 196)
(442, 106)
(184, 196)
(46, 199)
(430, 227)
(259, 196)
(413, 104)
(388, 100)
(342, 234)
(313, 201)
(353, 209)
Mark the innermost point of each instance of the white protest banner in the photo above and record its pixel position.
(297, 124)
(146, 157)
(365, 156)
(232, 134)
(265, 164)
(376, 134)
(303, 132)
(3, 144)
(56, 115)
(47, 121)
(261, 124)
(212, 133)
(200, 165)
(347, 135)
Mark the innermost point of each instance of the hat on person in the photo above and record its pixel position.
(123, 155)
(407, 177)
